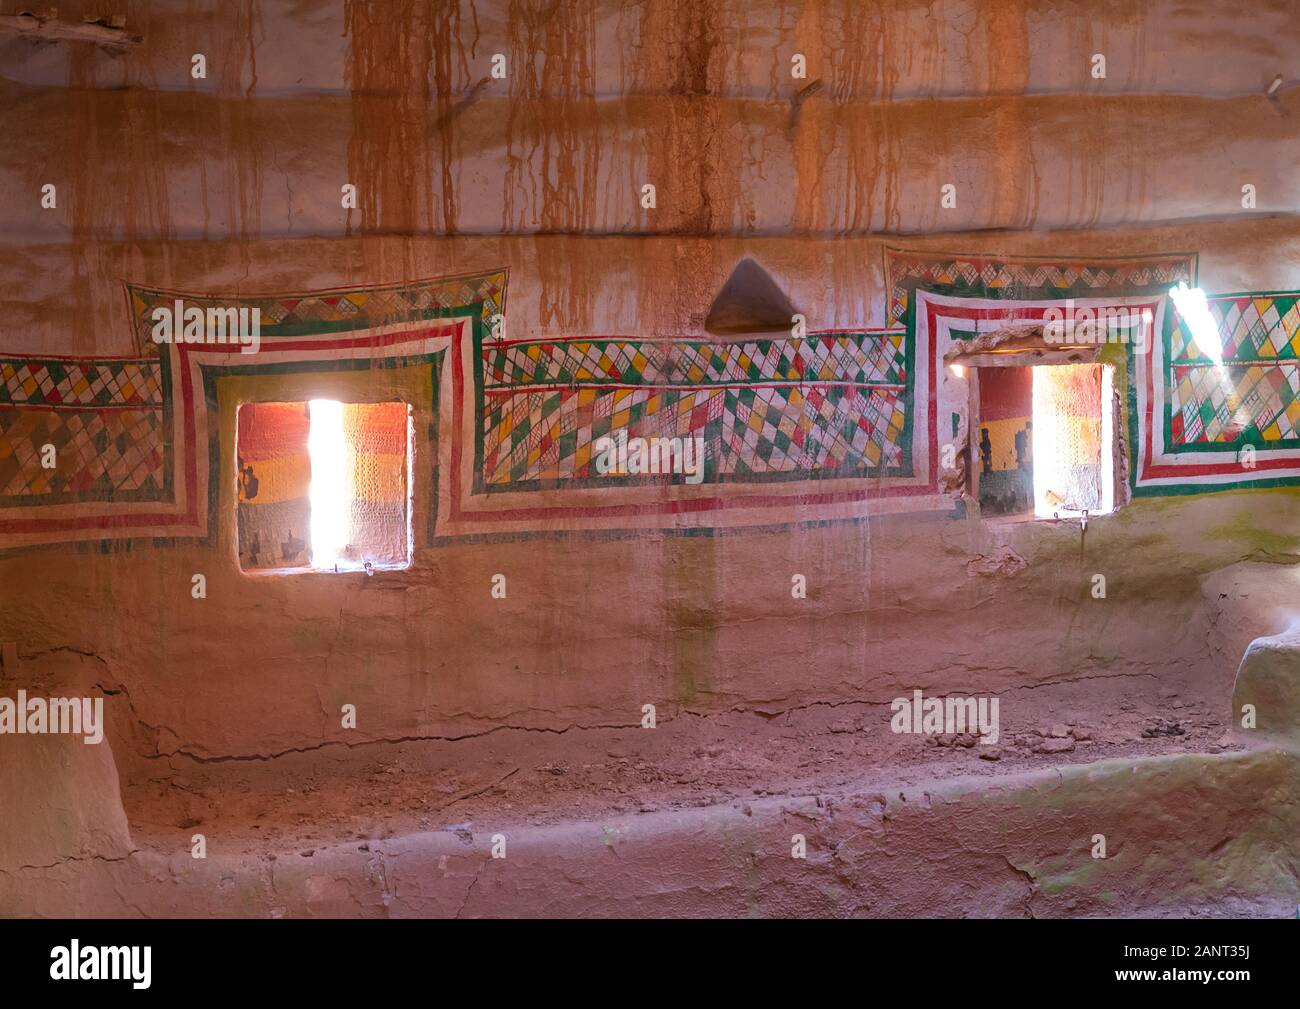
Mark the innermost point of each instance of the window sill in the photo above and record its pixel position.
(351, 569)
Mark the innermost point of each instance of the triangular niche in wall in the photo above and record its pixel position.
(749, 302)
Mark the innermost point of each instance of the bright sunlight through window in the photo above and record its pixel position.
(1072, 440)
(331, 483)
(324, 485)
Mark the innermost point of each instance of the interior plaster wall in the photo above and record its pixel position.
(234, 187)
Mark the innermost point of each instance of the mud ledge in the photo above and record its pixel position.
(1186, 834)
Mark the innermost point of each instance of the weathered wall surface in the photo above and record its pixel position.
(720, 164)
(599, 99)
(594, 626)
(232, 185)
(73, 302)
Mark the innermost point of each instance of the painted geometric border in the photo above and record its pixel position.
(1260, 403)
(196, 367)
(765, 409)
(1193, 420)
(942, 319)
(67, 383)
(470, 506)
(1160, 464)
(105, 418)
(109, 419)
(357, 322)
(337, 310)
(508, 471)
(1027, 277)
(423, 344)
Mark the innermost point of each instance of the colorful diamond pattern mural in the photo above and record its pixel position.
(827, 403)
(1256, 396)
(98, 454)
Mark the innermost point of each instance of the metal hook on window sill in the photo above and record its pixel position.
(1083, 519)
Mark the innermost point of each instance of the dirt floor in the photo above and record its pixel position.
(515, 776)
